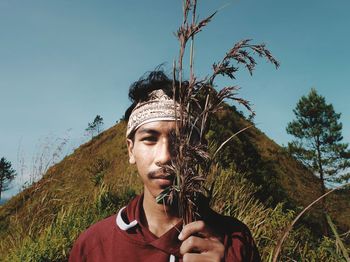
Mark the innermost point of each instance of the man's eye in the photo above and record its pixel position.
(149, 139)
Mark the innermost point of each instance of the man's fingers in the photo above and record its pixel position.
(192, 229)
(195, 245)
(188, 257)
(200, 244)
(192, 258)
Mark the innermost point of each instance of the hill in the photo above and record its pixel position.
(72, 182)
(3, 201)
(280, 177)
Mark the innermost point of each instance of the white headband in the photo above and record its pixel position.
(159, 107)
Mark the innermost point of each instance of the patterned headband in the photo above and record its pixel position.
(159, 107)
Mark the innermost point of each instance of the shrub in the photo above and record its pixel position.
(54, 242)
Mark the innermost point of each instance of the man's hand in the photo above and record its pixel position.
(200, 243)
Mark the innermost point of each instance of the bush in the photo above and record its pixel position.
(234, 196)
(55, 241)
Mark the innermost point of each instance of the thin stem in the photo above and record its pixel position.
(227, 140)
(289, 228)
(192, 41)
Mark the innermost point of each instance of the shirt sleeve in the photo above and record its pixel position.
(240, 246)
(77, 253)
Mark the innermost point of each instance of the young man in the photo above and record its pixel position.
(145, 230)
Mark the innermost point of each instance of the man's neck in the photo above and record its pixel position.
(159, 218)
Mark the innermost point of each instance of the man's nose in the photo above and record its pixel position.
(164, 153)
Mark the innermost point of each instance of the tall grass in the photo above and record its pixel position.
(290, 226)
(43, 224)
(233, 196)
(53, 242)
(49, 151)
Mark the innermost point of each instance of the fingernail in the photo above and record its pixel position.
(180, 236)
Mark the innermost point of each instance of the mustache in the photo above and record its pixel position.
(160, 173)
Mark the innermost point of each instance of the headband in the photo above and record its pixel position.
(158, 107)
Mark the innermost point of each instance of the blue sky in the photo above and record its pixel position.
(63, 62)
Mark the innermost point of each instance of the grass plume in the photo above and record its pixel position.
(199, 99)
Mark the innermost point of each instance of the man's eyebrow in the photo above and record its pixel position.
(148, 131)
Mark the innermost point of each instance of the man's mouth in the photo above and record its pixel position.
(169, 177)
(161, 178)
(159, 174)
(164, 182)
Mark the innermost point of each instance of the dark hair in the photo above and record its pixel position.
(140, 90)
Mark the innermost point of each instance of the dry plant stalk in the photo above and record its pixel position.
(199, 100)
(278, 247)
(339, 242)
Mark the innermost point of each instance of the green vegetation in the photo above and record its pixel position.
(53, 242)
(318, 142)
(95, 127)
(7, 174)
(318, 134)
(42, 222)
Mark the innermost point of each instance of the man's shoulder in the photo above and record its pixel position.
(104, 229)
(237, 236)
(92, 238)
(100, 230)
(229, 225)
(234, 226)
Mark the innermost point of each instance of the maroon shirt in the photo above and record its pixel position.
(123, 237)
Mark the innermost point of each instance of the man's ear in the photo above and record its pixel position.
(130, 144)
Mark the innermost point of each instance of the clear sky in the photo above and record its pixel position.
(62, 62)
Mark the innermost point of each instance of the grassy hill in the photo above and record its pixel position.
(280, 176)
(2, 201)
(70, 180)
(72, 196)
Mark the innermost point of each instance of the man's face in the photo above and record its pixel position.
(149, 151)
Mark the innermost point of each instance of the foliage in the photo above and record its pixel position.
(287, 229)
(65, 202)
(326, 251)
(7, 174)
(318, 138)
(318, 142)
(339, 241)
(243, 155)
(199, 99)
(53, 242)
(95, 127)
(97, 170)
(50, 151)
(28, 214)
(234, 196)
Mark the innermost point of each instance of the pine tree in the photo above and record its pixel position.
(98, 123)
(95, 126)
(318, 144)
(7, 174)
